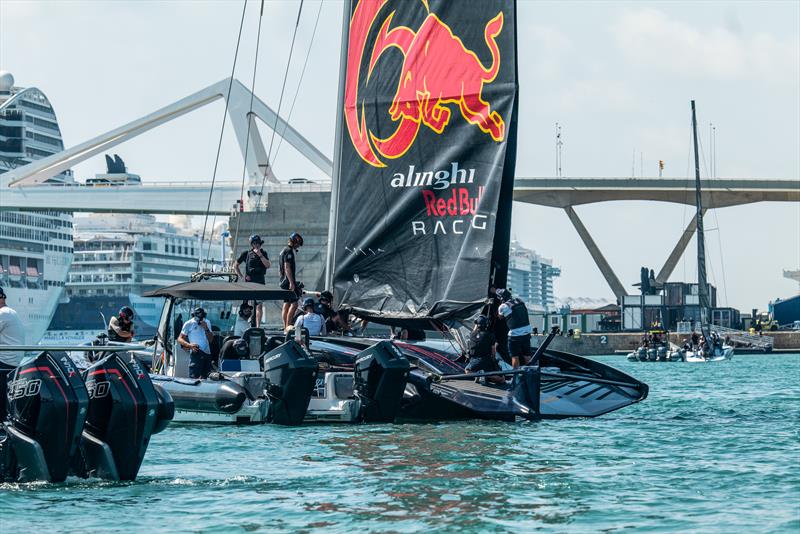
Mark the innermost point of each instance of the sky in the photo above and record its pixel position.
(617, 76)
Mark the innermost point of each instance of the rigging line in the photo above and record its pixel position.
(299, 84)
(721, 258)
(221, 132)
(249, 124)
(280, 101)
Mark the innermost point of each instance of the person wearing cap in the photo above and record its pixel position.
(515, 313)
(243, 318)
(256, 262)
(288, 272)
(334, 321)
(196, 337)
(120, 327)
(12, 332)
(480, 351)
(311, 320)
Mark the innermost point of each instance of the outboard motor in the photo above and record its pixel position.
(125, 409)
(290, 375)
(380, 374)
(47, 407)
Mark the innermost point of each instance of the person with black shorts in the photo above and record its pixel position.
(256, 262)
(288, 271)
(515, 313)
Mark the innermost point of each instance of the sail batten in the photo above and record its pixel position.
(427, 146)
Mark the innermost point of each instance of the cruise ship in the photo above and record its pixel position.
(120, 256)
(35, 246)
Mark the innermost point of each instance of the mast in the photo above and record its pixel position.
(337, 148)
(701, 242)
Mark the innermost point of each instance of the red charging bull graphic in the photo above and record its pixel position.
(438, 71)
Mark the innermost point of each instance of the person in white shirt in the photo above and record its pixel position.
(311, 320)
(515, 313)
(196, 337)
(243, 318)
(11, 333)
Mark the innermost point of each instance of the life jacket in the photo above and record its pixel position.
(480, 344)
(519, 315)
(113, 336)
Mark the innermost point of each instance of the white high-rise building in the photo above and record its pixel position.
(530, 277)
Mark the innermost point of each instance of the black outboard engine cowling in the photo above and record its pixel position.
(125, 409)
(380, 375)
(290, 374)
(47, 407)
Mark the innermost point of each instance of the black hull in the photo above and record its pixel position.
(563, 385)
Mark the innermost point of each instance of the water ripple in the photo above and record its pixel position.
(713, 449)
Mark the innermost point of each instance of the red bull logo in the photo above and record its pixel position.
(439, 74)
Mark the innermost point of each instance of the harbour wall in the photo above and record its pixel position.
(596, 344)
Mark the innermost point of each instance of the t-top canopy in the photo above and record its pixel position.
(213, 290)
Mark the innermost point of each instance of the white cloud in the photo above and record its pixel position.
(650, 37)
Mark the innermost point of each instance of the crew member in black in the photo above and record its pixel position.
(499, 328)
(480, 350)
(120, 327)
(325, 309)
(255, 269)
(515, 313)
(288, 269)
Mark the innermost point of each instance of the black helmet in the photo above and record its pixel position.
(308, 302)
(126, 312)
(296, 239)
(327, 295)
(2, 293)
(199, 313)
(481, 322)
(255, 238)
(240, 347)
(504, 295)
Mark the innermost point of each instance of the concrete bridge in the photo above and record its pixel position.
(191, 198)
(16, 191)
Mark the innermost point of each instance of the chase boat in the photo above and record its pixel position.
(271, 378)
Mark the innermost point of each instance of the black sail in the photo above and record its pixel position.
(426, 151)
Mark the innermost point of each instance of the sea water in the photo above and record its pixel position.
(713, 449)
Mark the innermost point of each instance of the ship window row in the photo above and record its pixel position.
(44, 139)
(42, 122)
(58, 248)
(31, 151)
(51, 213)
(98, 278)
(170, 248)
(23, 233)
(32, 105)
(15, 217)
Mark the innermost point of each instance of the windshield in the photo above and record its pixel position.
(221, 314)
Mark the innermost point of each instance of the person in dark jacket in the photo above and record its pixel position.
(256, 262)
(481, 351)
(288, 271)
(120, 327)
